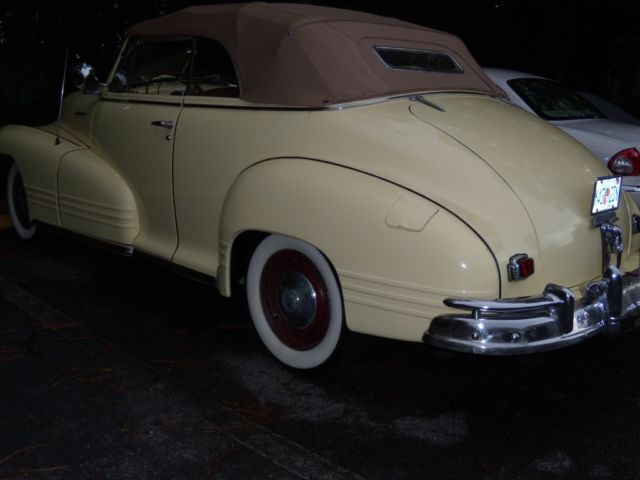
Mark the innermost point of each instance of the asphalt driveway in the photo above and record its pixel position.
(114, 369)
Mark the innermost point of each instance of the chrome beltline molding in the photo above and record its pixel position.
(226, 104)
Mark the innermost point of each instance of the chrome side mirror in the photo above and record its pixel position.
(119, 82)
(84, 78)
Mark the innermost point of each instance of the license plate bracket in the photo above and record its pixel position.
(606, 194)
(606, 199)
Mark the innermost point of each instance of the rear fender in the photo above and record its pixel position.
(397, 255)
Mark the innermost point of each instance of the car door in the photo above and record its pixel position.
(214, 132)
(133, 128)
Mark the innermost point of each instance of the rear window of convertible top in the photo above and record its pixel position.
(411, 59)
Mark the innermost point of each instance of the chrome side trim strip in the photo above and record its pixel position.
(129, 251)
(118, 248)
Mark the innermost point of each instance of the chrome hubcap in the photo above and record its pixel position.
(295, 301)
(298, 299)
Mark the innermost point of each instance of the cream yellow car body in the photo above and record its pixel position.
(407, 208)
(387, 190)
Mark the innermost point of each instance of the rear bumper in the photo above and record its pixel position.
(534, 324)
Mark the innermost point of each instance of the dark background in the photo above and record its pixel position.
(590, 45)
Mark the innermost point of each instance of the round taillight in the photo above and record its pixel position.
(625, 162)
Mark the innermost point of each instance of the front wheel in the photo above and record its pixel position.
(17, 203)
(295, 302)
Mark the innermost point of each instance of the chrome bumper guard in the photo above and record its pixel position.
(534, 324)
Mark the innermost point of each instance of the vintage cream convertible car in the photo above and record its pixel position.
(349, 172)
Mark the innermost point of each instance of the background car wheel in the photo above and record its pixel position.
(17, 202)
(295, 302)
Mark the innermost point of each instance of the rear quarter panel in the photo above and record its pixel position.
(397, 255)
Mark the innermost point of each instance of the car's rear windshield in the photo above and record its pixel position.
(417, 60)
(552, 101)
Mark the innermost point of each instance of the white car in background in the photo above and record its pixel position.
(615, 142)
(611, 110)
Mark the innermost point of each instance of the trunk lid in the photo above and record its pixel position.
(551, 174)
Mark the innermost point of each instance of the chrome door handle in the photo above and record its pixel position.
(163, 123)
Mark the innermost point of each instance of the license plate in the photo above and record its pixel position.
(606, 194)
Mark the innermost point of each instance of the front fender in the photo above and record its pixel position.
(37, 154)
(69, 186)
(94, 200)
(397, 255)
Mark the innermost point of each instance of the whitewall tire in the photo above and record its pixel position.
(17, 203)
(295, 302)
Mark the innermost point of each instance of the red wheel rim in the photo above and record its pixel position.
(294, 300)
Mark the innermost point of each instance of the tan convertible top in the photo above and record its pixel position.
(311, 56)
